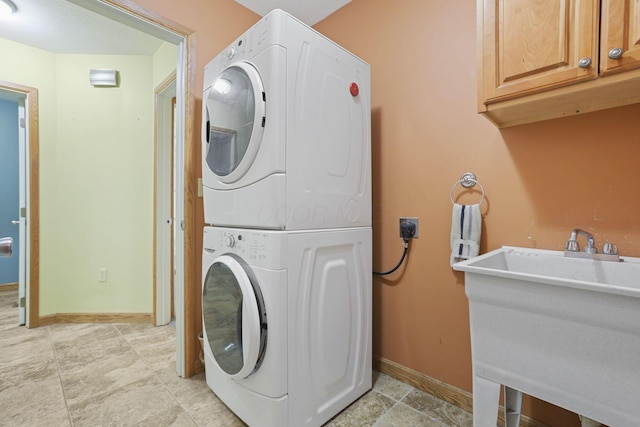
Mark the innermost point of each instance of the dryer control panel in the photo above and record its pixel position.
(269, 31)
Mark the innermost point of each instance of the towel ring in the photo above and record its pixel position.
(467, 180)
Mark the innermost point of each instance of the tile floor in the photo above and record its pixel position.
(124, 375)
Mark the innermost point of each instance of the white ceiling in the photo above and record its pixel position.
(62, 26)
(308, 11)
(59, 26)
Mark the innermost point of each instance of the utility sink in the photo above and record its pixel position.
(566, 330)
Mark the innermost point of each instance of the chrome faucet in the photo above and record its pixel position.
(572, 248)
(572, 243)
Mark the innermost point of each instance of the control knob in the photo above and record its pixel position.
(230, 241)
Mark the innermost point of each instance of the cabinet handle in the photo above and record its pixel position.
(584, 62)
(615, 53)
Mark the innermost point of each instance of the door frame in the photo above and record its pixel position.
(186, 278)
(32, 218)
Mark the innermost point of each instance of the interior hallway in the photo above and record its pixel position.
(124, 375)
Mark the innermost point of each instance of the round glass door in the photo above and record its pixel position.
(235, 110)
(233, 314)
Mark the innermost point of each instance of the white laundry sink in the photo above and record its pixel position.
(565, 330)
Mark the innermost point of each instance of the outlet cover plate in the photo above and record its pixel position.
(411, 220)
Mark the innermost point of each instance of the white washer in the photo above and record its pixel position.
(287, 322)
(286, 131)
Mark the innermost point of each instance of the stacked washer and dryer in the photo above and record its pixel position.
(286, 296)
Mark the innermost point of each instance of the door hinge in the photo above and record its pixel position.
(23, 212)
(22, 122)
(23, 302)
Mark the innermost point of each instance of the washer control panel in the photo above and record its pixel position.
(254, 246)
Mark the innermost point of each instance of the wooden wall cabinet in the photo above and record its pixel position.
(543, 59)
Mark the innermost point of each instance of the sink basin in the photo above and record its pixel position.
(565, 330)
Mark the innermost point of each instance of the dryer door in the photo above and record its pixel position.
(235, 118)
(234, 316)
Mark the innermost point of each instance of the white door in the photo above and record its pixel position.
(165, 192)
(23, 243)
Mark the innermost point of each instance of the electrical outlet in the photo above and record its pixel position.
(102, 275)
(410, 220)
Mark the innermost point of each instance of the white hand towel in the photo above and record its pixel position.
(466, 230)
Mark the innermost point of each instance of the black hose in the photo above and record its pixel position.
(404, 254)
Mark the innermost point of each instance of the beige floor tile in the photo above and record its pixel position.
(100, 352)
(403, 416)
(363, 412)
(19, 334)
(158, 356)
(29, 370)
(450, 414)
(173, 416)
(89, 339)
(59, 418)
(19, 346)
(389, 386)
(125, 406)
(102, 375)
(185, 389)
(207, 410)
(154, 344)
(133, 328)
(142, 330)
(30, 399)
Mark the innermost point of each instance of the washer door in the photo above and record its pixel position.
(235, 114)
(234, 316)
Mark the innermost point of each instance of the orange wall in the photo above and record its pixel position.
(541, 180)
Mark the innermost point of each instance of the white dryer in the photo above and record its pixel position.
(287, 322)
(286, 131)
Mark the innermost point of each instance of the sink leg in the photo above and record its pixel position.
(486, 400)
(512, 406)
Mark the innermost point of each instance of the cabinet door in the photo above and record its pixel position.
(529, 46)
(620, 30)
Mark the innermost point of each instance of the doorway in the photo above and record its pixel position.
(27, 215)
(185, 189)
(186, 328)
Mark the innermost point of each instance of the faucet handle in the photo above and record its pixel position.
(609, 249)
(572, 246)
